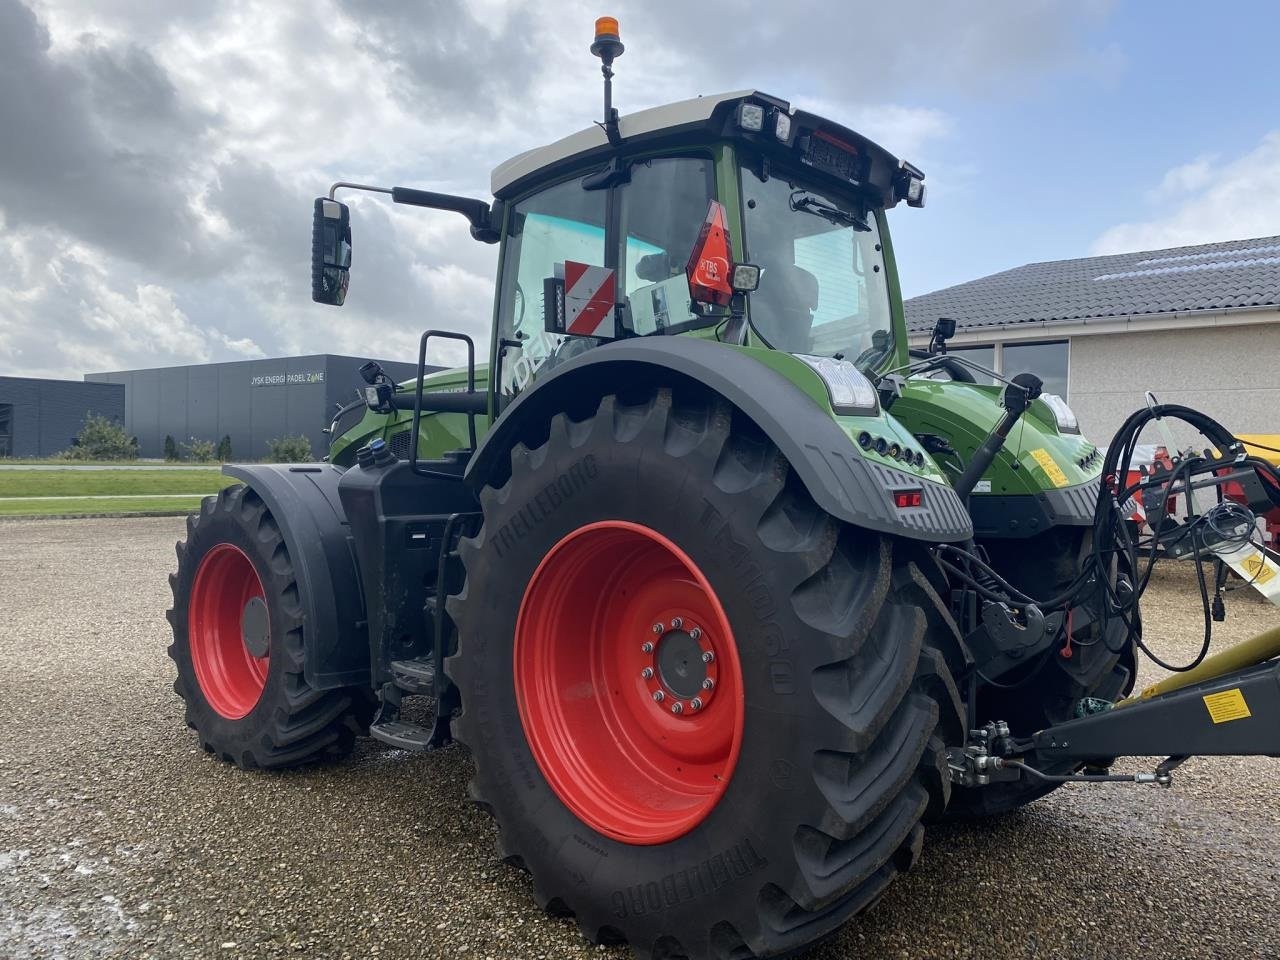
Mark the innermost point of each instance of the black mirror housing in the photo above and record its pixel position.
(330, 251)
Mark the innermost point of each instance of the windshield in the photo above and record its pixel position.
(822, 283)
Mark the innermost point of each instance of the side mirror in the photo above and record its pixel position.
(330, 251)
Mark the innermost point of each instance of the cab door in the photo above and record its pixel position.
(642, 226)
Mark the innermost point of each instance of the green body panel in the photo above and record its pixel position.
(961, 413)
(965, 413)
(440, 432)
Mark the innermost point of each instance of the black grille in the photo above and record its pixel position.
(399, 444)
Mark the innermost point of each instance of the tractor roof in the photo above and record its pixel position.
(709, 115)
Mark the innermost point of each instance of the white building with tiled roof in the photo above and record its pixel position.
(1195, 325)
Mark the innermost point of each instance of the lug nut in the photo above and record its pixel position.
(677, 707)
(708, 684)
(695, 633)
(658, 696)
(676, 623)
(708, 657)
(647, 673)
(646, 647)
(657, 628)
(696, 703)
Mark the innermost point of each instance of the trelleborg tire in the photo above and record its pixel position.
(238, 644)
(655, 546)
(1048, 691)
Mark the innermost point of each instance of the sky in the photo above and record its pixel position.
(158, 161)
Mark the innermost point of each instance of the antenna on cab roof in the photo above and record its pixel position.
(607, 46)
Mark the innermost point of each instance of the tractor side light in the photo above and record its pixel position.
(1063, 414)
(915, 193)
(782, 127)
(751, 117)
(905, 499)
(378, 396)
(850, 391)
(746, 277)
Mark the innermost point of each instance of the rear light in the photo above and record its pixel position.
(903, 499)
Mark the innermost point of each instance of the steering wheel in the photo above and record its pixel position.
(519, 298)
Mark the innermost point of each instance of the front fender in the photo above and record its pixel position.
(303, 500)
(826, 461)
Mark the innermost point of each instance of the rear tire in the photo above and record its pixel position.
(847, 702)
(253, 711)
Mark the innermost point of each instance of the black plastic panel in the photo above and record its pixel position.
(1025, 515)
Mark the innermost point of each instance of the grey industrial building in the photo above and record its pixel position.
(250, 401)
(40, 418)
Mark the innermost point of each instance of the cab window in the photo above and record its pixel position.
(661, 211)
(564, 222)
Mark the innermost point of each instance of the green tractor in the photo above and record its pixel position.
(703, 563)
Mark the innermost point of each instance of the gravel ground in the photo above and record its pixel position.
(119, 837)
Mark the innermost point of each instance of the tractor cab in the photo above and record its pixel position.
(753, 225)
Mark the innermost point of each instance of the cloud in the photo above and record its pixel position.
(1209, 200)
(158, 170)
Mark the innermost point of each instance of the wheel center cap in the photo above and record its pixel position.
(680, 665)
(255, 627)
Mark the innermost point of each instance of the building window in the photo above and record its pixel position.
(983, 355)
(6, 429)
(1048, 361)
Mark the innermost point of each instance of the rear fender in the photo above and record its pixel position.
(820, 452)
(303, 500)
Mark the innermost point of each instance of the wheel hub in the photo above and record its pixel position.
(255, 627)
(680, 667)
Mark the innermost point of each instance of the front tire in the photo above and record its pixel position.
(238, 644)
(789, 800)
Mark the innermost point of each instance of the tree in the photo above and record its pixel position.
(170, 448)
(224, 448)
(101, 438)
(202, 451)
(289, 450)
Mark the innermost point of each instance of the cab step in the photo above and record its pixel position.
(406, 736)
(416, 676)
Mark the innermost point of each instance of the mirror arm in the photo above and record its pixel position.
(476, 211)
(355, 186)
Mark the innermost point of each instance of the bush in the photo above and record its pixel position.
(224, 448)
(202, 451)
(289, 450)
(170, 448)
(101, 439)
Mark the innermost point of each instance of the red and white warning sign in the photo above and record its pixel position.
(588, 300)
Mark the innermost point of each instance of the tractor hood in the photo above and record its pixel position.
(766, 122)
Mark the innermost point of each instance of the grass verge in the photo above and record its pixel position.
(90, 483)
(78, 506)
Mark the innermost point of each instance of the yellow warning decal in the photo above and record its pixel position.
(1049, 466)
(1255, 566)
(1227, 706)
